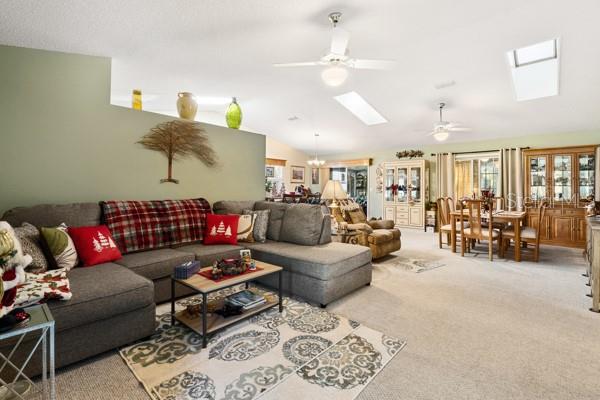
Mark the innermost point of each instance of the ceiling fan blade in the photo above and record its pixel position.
(299, 64)
(459, 129)
(371, 64)
(339, 41)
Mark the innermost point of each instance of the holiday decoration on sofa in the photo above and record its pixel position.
(39, 288)
(221, 229)
(94, 244)
(409, 154)
(179, 139)
(12, 267)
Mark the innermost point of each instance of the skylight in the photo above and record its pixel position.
(535, 69)
(536, 53)
(360, 108)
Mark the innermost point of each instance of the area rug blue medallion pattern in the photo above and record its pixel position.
(304, 352)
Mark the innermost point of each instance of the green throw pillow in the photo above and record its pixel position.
(61, 247)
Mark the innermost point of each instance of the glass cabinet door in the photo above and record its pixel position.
(537, 177)
(562, 181)
(389, 181)
(587, 167)
(402, 195)
(415, 184)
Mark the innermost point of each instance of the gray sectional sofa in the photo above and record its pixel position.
(114, 304)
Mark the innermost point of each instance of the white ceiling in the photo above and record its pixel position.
(226, 48)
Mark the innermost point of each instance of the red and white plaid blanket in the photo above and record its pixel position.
(144, 225)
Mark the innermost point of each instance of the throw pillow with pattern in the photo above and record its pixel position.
(29, 236)
(261, 224)
(245, 228)
(94, 245)
(221, 229)
(60, 245)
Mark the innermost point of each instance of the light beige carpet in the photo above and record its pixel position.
(475, 330)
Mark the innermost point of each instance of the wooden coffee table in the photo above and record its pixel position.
(204, 286)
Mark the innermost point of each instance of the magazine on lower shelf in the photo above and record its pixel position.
(246, 299)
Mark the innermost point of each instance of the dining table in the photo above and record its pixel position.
(515, 218)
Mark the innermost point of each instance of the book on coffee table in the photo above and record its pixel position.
(245, 299)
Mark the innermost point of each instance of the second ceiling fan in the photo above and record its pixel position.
(442, 129)
(337, 60)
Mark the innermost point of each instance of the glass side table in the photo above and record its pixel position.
(41, 325)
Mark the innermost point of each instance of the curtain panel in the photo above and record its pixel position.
(445, 175)
(511, 177)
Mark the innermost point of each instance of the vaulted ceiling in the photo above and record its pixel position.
(226, 48)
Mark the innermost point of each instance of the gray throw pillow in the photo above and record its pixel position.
(302, 224)
(275, 217)
(29, 236)
(261, 224)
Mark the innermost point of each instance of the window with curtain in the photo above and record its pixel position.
(474, 173)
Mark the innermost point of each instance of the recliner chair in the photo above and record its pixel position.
(379, 235)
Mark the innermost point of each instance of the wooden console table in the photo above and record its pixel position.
(593, 255)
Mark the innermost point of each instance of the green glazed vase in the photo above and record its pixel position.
(234, 115)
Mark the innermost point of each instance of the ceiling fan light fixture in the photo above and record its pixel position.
(441, 134)
(334, 76)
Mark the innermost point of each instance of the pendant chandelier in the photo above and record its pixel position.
(315, 162)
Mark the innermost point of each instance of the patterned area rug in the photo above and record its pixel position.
(304, 352)
(411, 264)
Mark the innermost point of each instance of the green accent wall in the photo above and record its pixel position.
(62, 141)
(532, 141)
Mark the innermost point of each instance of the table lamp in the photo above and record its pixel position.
(334, 191)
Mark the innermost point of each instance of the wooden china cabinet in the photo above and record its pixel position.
(565, 178)
(405, 192)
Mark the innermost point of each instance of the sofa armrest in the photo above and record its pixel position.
(360, 227)
(381, 224)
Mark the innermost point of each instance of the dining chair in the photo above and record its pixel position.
(497, 204)
(445, 206)
(529, 234)
(477, 232)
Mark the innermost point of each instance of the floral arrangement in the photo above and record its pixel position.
(409, 154)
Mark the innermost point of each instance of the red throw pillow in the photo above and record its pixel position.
(94, 244)
(221, 229)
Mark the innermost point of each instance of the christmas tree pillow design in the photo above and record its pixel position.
(221, 229)
(94, 244)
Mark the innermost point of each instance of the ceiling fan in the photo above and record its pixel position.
(442, 129)
(337, 60)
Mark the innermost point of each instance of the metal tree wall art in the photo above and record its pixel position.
(179, 139)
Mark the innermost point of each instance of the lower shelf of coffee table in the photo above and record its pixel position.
(215, 322)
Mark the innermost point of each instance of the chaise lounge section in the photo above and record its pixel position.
(299, 240)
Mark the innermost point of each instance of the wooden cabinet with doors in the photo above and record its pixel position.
(405, 192)
(564, 177)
